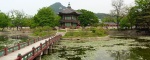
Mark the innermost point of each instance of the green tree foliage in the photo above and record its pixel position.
(117, 4)
(101, 15)
(4, 20)
(109, 19)
(27, 22)
(124, 23)
(87, 18)
(131, 17)
(17, 18)
(143, 16)
(46, 17)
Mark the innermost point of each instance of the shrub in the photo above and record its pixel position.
(43, 31)
(92, 32)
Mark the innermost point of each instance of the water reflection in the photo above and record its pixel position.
(140, 54)
(120, 55)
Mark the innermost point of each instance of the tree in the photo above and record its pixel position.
(46, 17)
(132, 14)
(17, 18)
(27, 22)
(108, 19)
(4, 20)
(143, 16)
(117, 4)
(87, 18)
(124, 23)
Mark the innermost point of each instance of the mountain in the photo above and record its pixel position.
(101, 15)
(57, 7)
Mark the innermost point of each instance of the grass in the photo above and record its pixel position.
(92, 32)
(61, 30)
(43, 31)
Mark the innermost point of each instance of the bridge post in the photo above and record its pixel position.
(41, 46)
(33, 51)
(49, 41)
(19, 57)
(50, 49)
(5, 49)
(45, 42)
(45, 52)
(18, 46)
(28, 42)
(38, 57)
(34, 40)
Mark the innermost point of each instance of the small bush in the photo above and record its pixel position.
(43, 31)
(92, 32)
(3, 38)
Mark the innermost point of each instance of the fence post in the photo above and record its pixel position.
(34, 40)
(38, 38)
(28, 42)
(49, 40)
(18, 46)
(33, 51)
(19, 57)
(41, 46)
(13, 48)
(5, 49)
(46, 42)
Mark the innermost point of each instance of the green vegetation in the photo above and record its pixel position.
(46, 17)
(87, 18)
(57, 7)
(89, 32)
(102, 15)
(4, 20)
(43, 31)
(61, 30)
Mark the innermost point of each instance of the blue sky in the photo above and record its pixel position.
(32, 6)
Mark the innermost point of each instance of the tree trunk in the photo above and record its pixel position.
(17, 28)
(117, 23)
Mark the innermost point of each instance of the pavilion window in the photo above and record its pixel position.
(67, 24)
(67, 17)
(74, 18)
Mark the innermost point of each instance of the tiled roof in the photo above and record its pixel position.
(69, 10)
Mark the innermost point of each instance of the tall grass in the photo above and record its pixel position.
(89, 32)
(43, 31)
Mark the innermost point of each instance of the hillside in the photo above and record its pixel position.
(57, 7)
(101, 15)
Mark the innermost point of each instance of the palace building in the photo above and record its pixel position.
(69, 18)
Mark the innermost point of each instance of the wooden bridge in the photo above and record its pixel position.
(31, 50)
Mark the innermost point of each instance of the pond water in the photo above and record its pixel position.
(12, 40)
(116, 48)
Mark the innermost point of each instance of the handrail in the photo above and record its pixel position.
(36, 51)
(7, 50)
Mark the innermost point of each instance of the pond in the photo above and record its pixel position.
(9, 41)
(116, 48)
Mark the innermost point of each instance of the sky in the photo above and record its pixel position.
(31, 7)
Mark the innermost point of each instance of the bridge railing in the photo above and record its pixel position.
(8, 50)
(37, 51)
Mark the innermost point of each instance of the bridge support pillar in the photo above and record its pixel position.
(45, 52)
(38, 57)
(50, 49)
